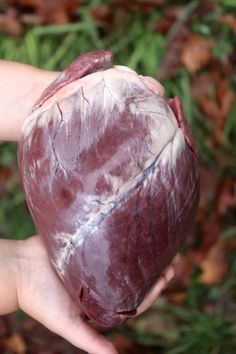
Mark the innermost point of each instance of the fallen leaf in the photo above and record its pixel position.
(224, 95)
(215, 265)
(217, 108)
(122, 343)
(10, 23)
(211, 108)
(177, 297)
(211, 230)
(54, 11)
(226, 195)
(102, 13)
(5, 174)
(16, 344)
(196, 53)
(202, 85)
(209, 180)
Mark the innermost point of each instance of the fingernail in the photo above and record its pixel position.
(176, 259)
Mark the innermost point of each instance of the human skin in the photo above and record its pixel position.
(27, 280)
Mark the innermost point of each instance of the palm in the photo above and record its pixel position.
(42, 295)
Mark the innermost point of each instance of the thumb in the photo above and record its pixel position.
(83, 336)
(155, 292)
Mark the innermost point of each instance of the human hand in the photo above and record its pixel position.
(40, 293)
(20, 87)
(159, 286)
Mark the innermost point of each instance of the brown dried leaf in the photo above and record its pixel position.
(218, 108)
(196, 53)
(54, 11)
(16, 344)
(122, 343)
(225, 95)
(202, 86)
(226, 196)
(209, 180)
(215, 265)
(5, 174)
(177, 297)
(211, 108)
(10, 23)
(211, 229)
(102, 13)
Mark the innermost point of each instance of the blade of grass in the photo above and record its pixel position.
(32, 48)
(61, 52)
(59, 29)
(92, 28)
(229, 233)
(186, 97)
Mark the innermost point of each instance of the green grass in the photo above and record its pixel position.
(135, 44)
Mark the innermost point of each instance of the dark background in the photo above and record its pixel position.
(190, 46)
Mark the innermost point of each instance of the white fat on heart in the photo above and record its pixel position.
(86, 84)
(173, 150)
(67, 244)
(125, 68)
(112, 81)
(108, 85)
(65, 249)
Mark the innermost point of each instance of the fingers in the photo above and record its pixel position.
(56, 311)
(85, 337)
(63, 318)
(160, 285)
(42, 295)
(154, 85)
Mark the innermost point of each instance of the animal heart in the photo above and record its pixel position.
(109, 170)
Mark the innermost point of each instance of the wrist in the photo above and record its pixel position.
(9, 263)
(20, 264)
(21, 85)
(32, 258)
(42, 79)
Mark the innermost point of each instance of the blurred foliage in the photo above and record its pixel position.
(191, 46)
